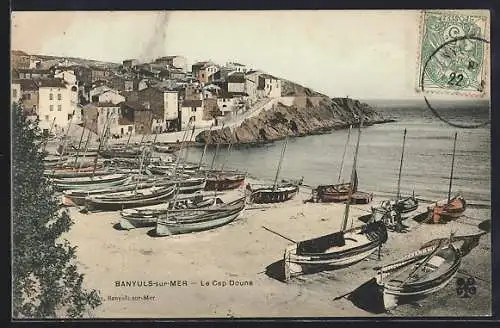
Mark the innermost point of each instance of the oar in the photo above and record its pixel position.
(276, 233)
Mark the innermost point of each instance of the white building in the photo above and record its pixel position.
(66, 75)
(251, 84)
(192, 110)
(237, 67)
(111, 96)
(57, 100)
(98, 90)
(171, 106)
(236, 82)
(269, 86)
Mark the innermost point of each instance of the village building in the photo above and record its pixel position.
(236, 82)
(110, 95)
(237, 67)
(141, 117)
(191, 113)
(27, 73)
(121, 83)
(57, 104)
(19, 59)
(179, 62)
(210, 109)
(15, 91)
(130, 63)
(67, 75)
(27, 97)
(269, 86)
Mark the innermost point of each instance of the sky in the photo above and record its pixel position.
(360, 54)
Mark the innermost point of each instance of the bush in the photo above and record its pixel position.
(45, 279)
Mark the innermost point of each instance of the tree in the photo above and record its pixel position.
(45, 279)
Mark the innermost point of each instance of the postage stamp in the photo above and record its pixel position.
(453, 53)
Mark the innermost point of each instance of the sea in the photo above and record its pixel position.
(427, 160)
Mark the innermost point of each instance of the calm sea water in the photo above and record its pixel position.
(427, 160)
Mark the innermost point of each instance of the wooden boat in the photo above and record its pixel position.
(339, 249)
(128, 199)
(120, 153)
(146, 216)
(186, 221)
(224, 181)
(419, 274)
(270, 194)
(77, 197)
(75, 173)
(276, 192)
(165, 149)
(100, 181)
(446, 210)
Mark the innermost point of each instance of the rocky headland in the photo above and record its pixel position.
(299, 112)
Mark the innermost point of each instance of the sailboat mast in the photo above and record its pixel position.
(452, 166)
(345, 150)
(353, 173)
(204, 149)
(50, 131)
(401, 166)
(79, 145)
(275, 184)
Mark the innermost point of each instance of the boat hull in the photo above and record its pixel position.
(270, 195)
(221, 184)
(61, 186)
(443, 212)
(358, 246)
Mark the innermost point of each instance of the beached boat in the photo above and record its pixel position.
(446, 210)
(338, 249)
(77, 197)
(146, 216)
(275, 193)
(127, 199)
(193, 220)
(100, 181)
(224, 181)
(270, 194)
(165, 149)
(120, 153)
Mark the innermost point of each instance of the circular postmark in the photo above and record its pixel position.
(454, 68)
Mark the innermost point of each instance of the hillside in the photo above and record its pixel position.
(80, 61)
(301, 111)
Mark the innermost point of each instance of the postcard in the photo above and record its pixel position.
(251, 164)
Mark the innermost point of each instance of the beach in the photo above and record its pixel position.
(221, 272)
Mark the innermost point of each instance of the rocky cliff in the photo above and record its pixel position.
(301, 112)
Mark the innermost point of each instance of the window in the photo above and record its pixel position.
(70, 116)
(193, 118)
(193, 109)
(51, 96)
(14, 93)
(59, 96)
(51, 107)
(59, 108)
(28, 96)
(34, 107)
(46, 117)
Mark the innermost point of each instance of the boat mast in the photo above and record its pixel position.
(50, 131)
(65, 139)
(101, 141)
(452, 166)
(85, 148)
(227, 155)
(345, 150)
(346, 213)
(401, 166)
(79, 145)
(205, 148)
(275, 184)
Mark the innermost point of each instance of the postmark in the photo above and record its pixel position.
(453, 54)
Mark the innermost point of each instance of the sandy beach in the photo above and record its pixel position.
(222, 272)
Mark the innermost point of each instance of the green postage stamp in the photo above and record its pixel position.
(453, 52)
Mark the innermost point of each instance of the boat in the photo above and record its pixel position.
(340, 192)
(186, 221)
(127, 199)
(269, 194)
(146, 216)
(73, 173)
(100, 181)
(120, 153)
(277, 192)
(165, 149)
(338, 249)
(77, 197)
(449, 209)
(220, 181)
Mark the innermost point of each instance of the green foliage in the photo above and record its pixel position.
(45, 278)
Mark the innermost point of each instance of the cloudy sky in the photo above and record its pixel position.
(360, 54)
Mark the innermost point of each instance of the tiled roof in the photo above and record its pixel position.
(236, 78)
(51, 83)
(191, 103)
(134, 105)
(28, 85)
